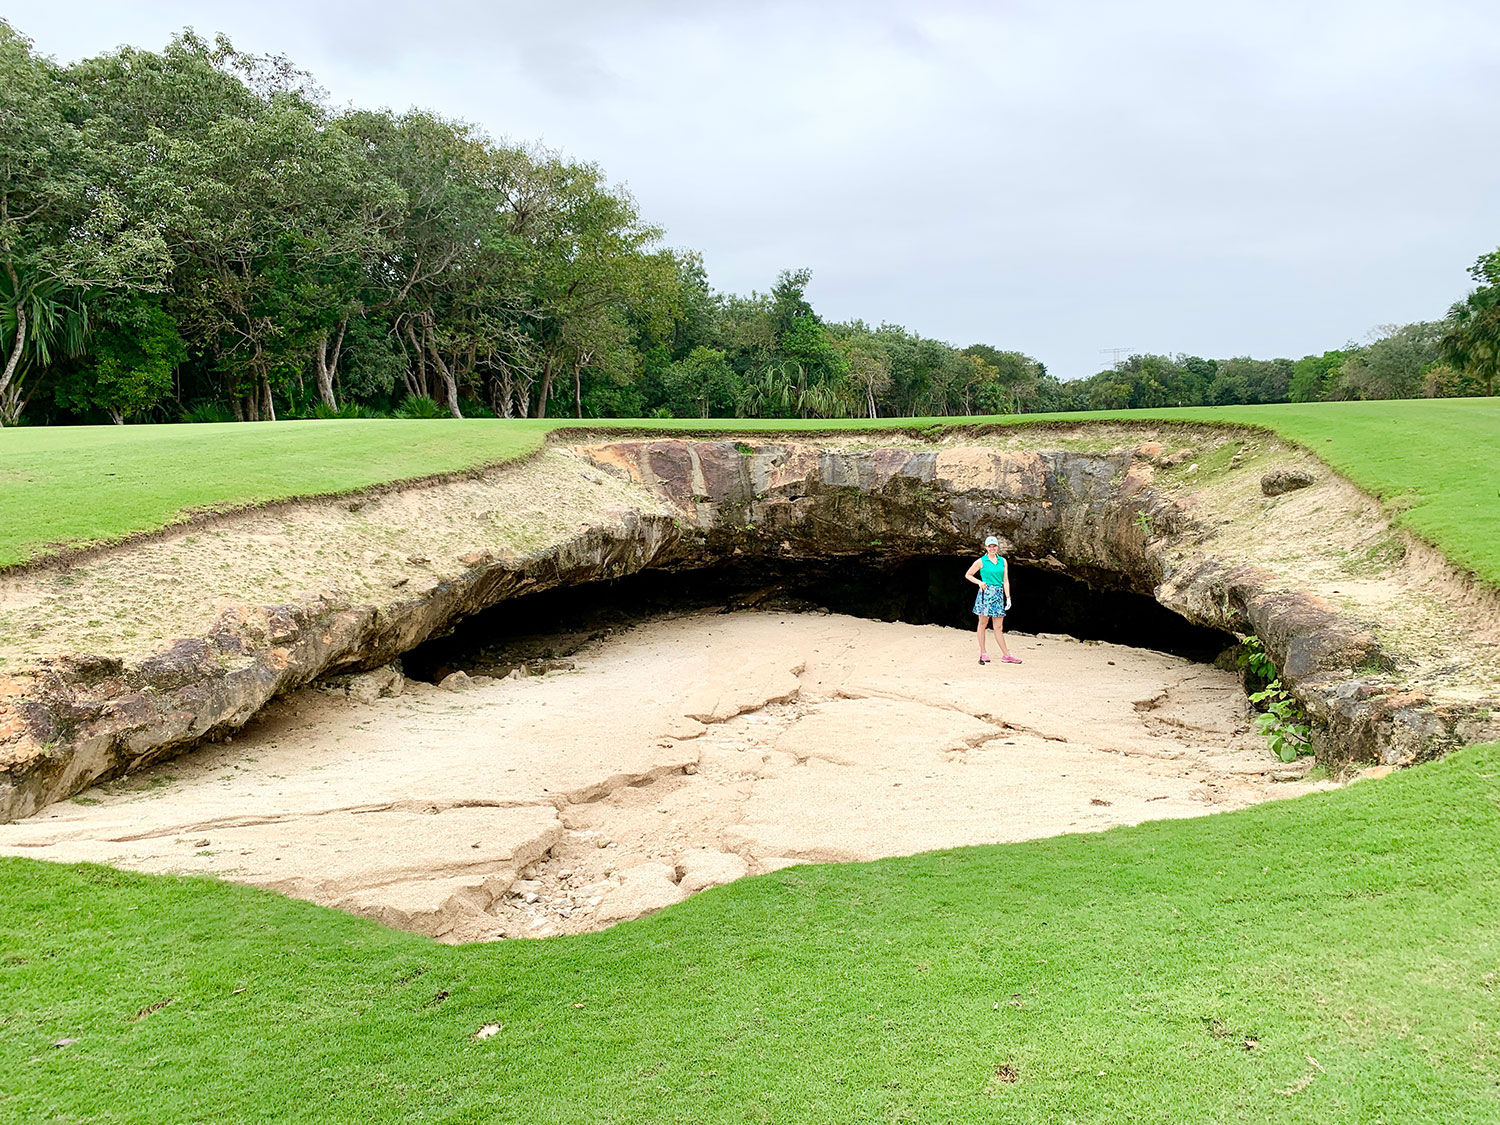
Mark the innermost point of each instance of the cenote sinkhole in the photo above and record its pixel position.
(551, 625)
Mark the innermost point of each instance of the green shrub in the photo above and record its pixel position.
(1282, 719)
(208, 412)
(348, 410)
(420, 406)
(469, 408)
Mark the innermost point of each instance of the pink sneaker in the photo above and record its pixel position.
(1011, 660)
(984, 658)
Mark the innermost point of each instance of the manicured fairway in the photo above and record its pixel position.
(1333, 958)
(1436, 461)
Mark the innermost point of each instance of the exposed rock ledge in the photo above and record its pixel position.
(72, 720)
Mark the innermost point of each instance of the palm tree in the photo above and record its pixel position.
(769, 391)
(39, 321)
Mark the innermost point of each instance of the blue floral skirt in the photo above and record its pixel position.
(990, 602)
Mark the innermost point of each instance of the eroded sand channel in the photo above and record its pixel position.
(684, 753)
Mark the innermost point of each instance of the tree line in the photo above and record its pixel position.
(1451, 358)
(197, 234)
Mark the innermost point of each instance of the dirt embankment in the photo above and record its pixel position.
(138, 653)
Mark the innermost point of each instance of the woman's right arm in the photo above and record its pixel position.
(973, 570)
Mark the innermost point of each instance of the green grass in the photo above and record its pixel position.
(1436, 463)
(80, 484)
(1433, 461)
(1177, 971)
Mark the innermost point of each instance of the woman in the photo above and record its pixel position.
(992, 576)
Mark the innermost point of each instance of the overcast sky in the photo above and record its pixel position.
(1058, 177)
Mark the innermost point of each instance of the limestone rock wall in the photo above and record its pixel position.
(77, 718)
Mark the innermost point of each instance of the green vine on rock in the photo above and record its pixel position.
(1282, 719)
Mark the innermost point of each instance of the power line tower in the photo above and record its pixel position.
(1115, 354)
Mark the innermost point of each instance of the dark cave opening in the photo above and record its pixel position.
(541, 630)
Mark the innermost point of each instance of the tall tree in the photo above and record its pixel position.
(1314, 376)
(869, 368)
(268, 207)
(789, 302)
(1008, 383)
(1393, 366)
(130, 360)
(65, 233)
(1471, 343)
(591, 260)
(427, 265)
(702, 385)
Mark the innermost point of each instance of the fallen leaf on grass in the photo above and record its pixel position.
(149, 1008)
(1306, 1080)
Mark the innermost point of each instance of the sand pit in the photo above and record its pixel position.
(684, 753)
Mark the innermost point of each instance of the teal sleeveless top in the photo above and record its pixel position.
(991, 573)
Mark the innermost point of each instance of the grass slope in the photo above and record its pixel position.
(1333, 958)
(80, 484)
(1434, 460)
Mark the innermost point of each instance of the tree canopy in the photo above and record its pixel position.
(197, 233)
